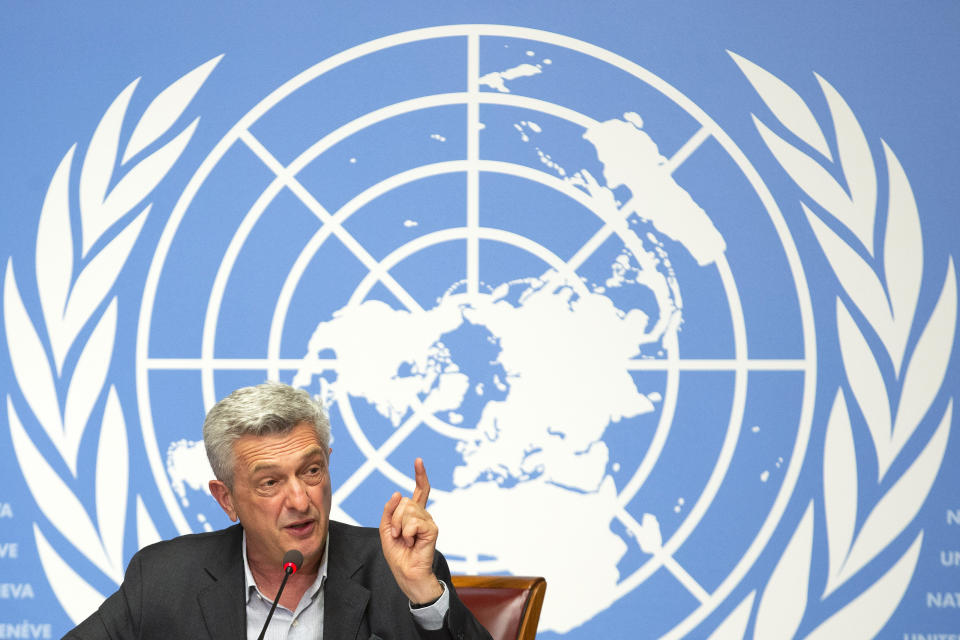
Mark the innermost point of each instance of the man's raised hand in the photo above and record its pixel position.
(409, 537)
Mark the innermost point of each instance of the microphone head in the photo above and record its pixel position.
(292, 560)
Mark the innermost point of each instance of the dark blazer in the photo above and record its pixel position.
(193, 587)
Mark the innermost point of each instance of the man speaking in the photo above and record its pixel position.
(269, 449)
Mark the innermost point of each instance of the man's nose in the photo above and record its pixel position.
(297, 497)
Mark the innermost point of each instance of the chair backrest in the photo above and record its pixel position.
(507, 606)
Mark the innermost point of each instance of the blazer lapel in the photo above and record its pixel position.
(344, 603)
(344, 599)
(222, 601)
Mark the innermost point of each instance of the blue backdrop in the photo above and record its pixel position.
(665, 294)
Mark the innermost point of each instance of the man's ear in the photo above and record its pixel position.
(221, 494)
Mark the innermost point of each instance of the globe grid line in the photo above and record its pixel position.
(473, 161)
(376, 455)
(286, 175)
(685, 579)
(718, 364)
(687, 149)
(378, 189)
(286, 178)
(234, 363)
(417, 173)
(313, 244)
(322, 364)
(775, 512)
(588, 248)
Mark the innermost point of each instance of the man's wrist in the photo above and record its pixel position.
(430, 617)
(429, 598)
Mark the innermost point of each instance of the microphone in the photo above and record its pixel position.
(291, 563)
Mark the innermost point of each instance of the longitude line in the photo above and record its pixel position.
(678, 158)
(360, 474)
(687, 149)
(665, 559)
(587, 248)
(473, 161)
(610, 226)
(684, 578)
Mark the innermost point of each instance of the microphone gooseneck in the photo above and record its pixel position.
(291, 564)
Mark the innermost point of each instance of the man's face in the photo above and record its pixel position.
(281, 495)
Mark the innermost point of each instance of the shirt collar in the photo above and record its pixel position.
(250, 585)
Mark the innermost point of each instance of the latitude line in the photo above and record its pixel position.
(472, 564)
(322, 364)
(473, 161)
(318, 365)
(304, 195)
(719, 364)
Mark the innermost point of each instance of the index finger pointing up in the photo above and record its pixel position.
(422, 490)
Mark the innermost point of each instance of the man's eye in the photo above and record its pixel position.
(314, 470)
(268, 483)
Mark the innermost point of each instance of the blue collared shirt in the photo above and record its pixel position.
(306, 621)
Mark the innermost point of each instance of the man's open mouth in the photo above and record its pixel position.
(301, 527)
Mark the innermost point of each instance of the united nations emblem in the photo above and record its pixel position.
(525, 258)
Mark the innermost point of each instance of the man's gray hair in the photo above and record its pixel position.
(268, 408)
